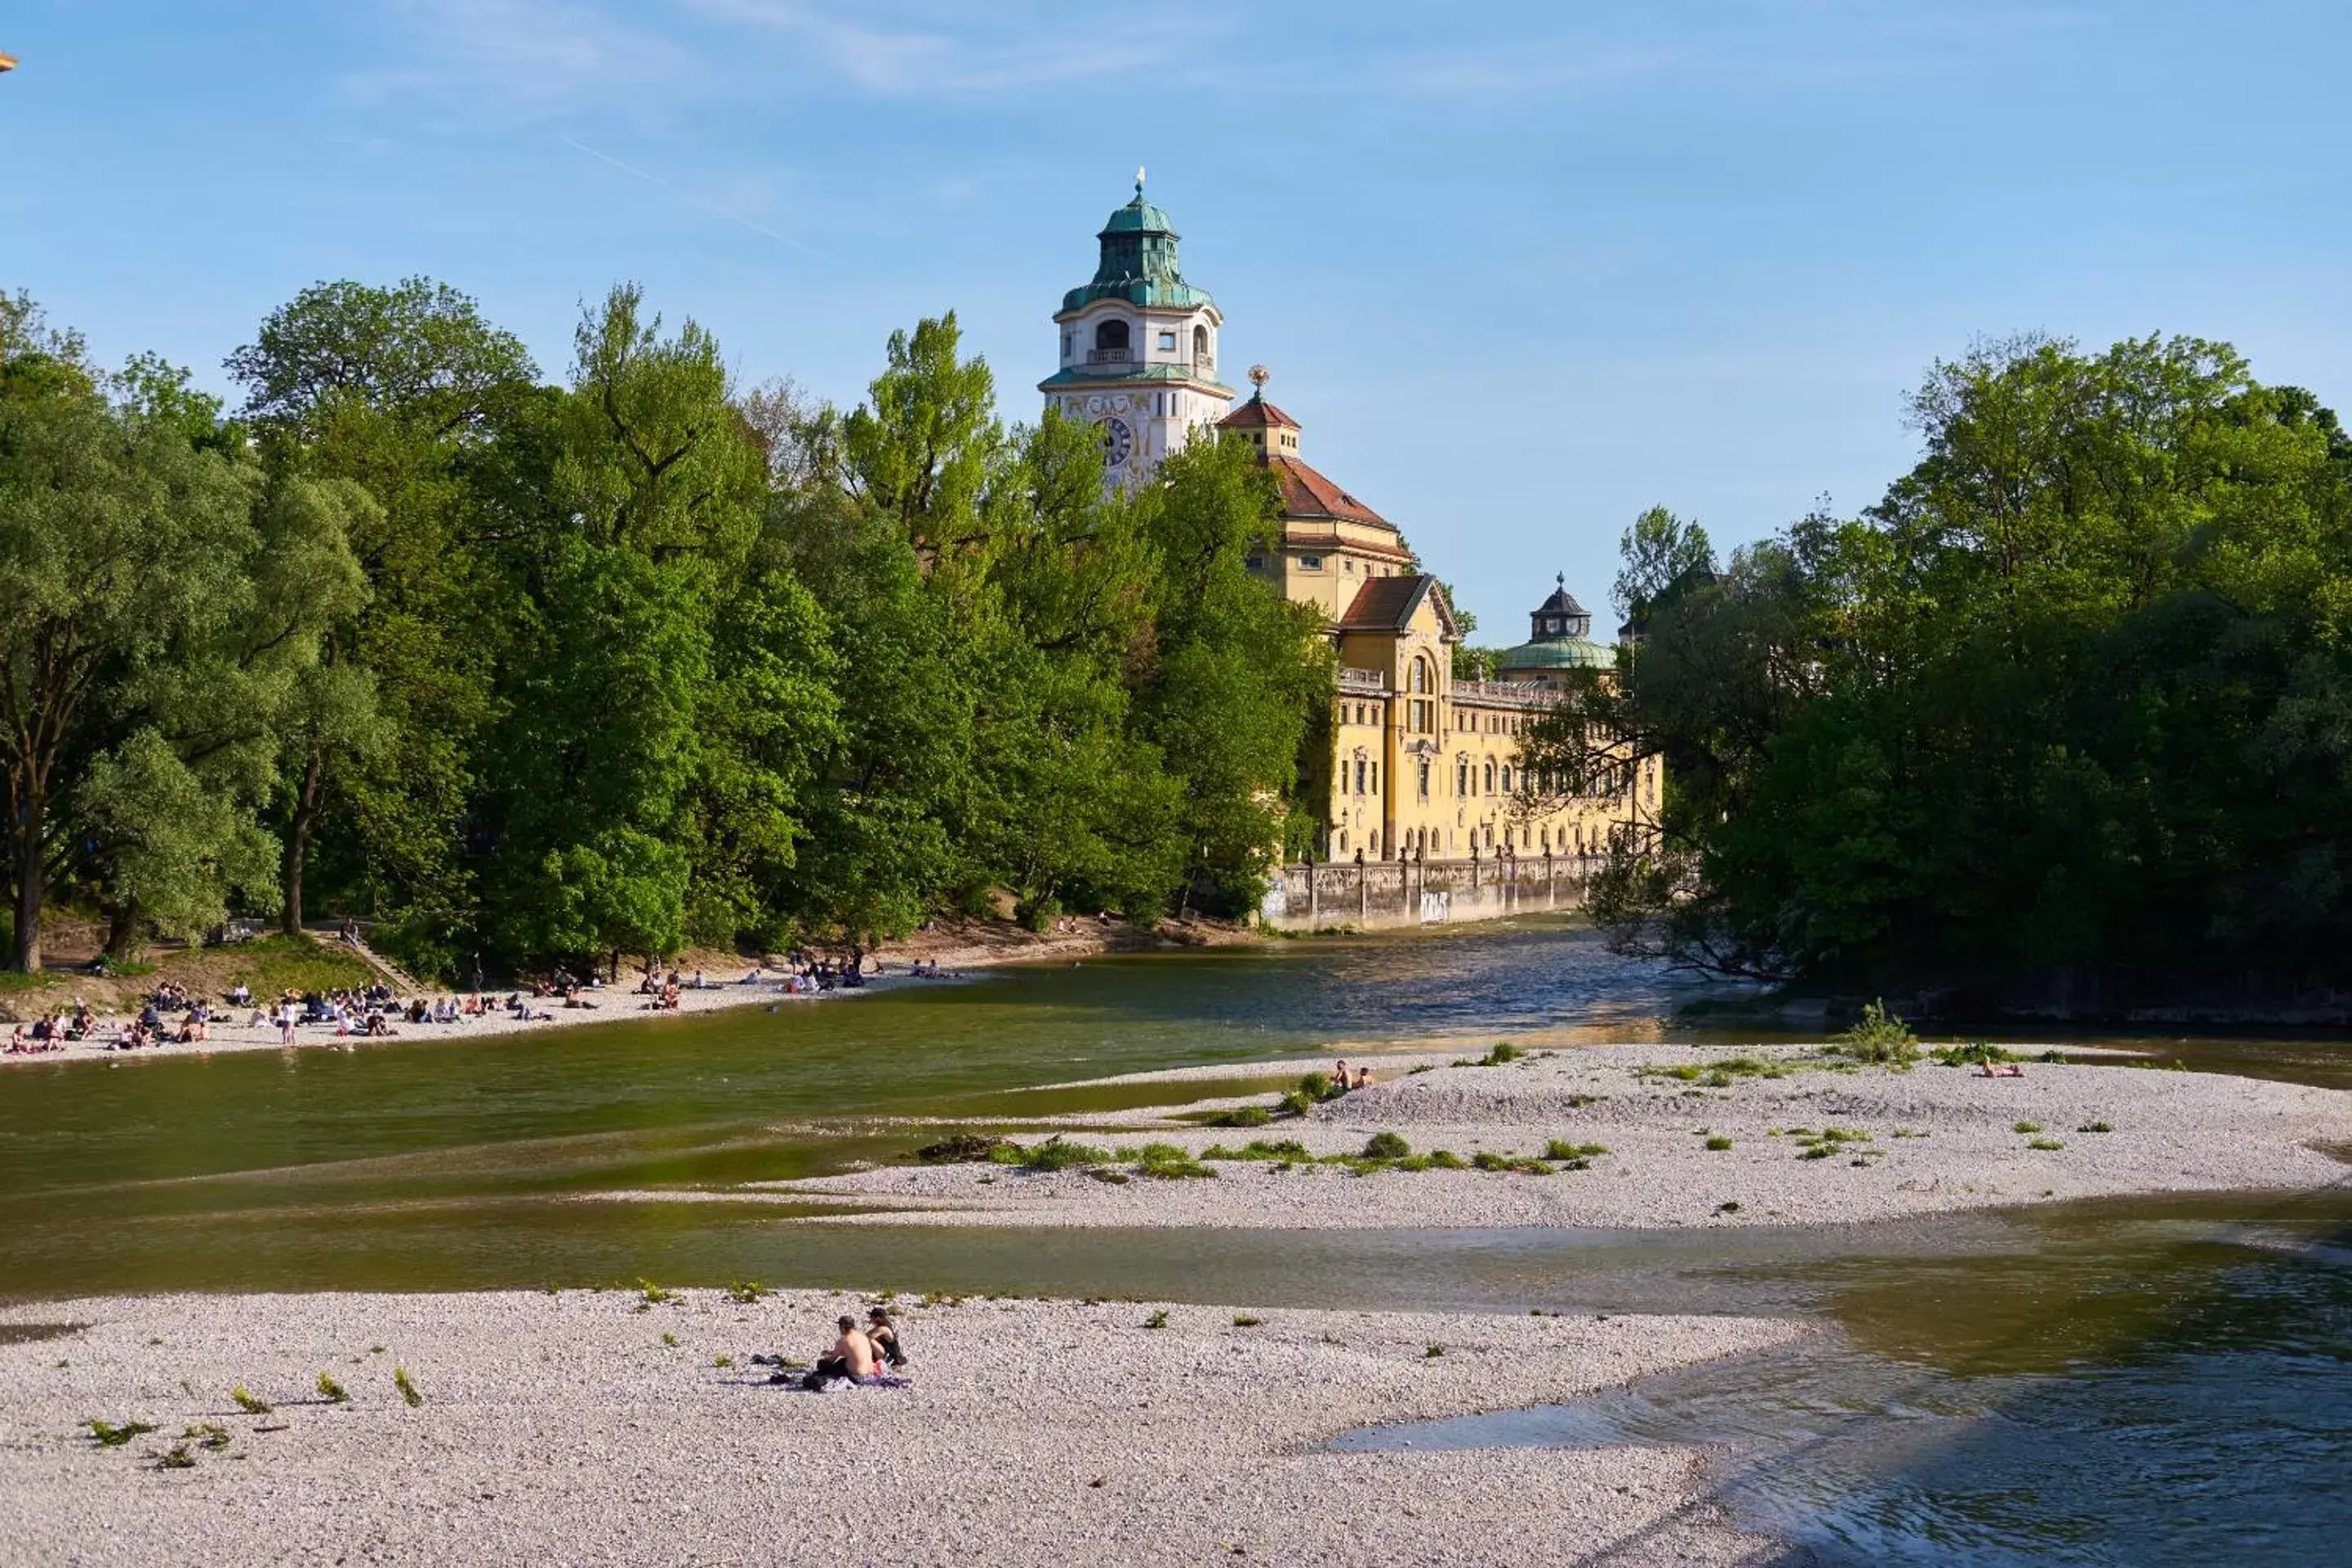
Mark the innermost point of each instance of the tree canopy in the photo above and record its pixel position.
(619, 664)
(2072, 699)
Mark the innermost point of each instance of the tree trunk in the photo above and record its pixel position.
(298, 842)
(121, 925)
(30, 874)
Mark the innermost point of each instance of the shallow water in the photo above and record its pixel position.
(2121, 1380)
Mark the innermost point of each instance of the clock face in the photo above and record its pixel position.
(1118, 441)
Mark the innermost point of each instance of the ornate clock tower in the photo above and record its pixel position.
(1139, 348)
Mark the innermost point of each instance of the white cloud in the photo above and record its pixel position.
(525, 53)
(968, 49)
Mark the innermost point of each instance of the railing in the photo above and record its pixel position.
(1371, 680)
(1519, 693)
(1129, 356)
(1111, 356)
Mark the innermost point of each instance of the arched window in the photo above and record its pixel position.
(1111, 336)
(1417, 677)
(1201, 346)
(1507, 778)
(1490, 775)
(1340, 844)
(1425, 778)
(1462, 775)
(1372, 844)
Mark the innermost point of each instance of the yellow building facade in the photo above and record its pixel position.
(1424, 766)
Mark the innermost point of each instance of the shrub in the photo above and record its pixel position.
(1295, 1103)
(1317, 1086)
(247, 1403)
(1243, 1320)
(332, 1392)
(1729, 1206)
(1561, 1149)
(1247, 1116)
(1057, 1153)
(671, 1339)
(1971, 1053)
(409, 1392)
(1447, 1160)
(1386, 1146)
(963, 1149)
(1432, 1352)
(2026, 1126)
(654, 1295)
(2095, 1127)
(1260, 1149)
(1167, 1162)
(1486, 1162)
(744, 1292)
(1158, 1320)
(722, 1359)
(1880, 1037)
(1719, 1143)
(176, 1458)
(109, 1436)
(2043, 1144)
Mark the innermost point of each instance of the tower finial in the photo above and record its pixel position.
(1561, 578)
(1138, 181)
(1259, 376)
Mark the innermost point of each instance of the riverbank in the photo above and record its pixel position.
(594, 1428)
(954, 946)
(1657, 1135)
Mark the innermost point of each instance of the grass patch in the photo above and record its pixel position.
(1056, 1153)
(1167, 1162)
(652, 1295)
(1503, 1054)
(1974, 1053)
(2043, 1144)
(1158, 1320)
(176, 1457)
(2095, 1127)
(2025, 1127)
(1717, 1142)
(1562, 1149)
(1828, 1141)
(409, 1392)
(963, 1149)
(1432, 1352)
(1247, 1116)
(247, 1403)
(332, 1392)
(1386, 1146)
(1243, 1320)
(1730, 1205)
(209, 1435)
(1261, 1149)
(746, 1292)
(671, 1339)
(107, 1435)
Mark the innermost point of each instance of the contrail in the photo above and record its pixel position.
(690, 197)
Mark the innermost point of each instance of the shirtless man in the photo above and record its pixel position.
(852, 1356)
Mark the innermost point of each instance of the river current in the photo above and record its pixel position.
(2121, 1380)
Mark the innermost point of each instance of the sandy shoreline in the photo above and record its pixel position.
(1937, 1139)
(565, 1429)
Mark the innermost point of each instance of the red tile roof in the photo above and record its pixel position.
(1306, 493)
(1257, 414)
(1387, 605)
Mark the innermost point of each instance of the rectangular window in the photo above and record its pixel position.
(1359, 775)
(1168, 342)
(1310, 563)
(1376, 778)
(1425, 778)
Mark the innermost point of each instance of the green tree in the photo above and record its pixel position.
(125, 532)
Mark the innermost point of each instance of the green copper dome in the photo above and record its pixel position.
(1139, 262)
(1561, 653)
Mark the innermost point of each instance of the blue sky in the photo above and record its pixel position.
(1520, 270)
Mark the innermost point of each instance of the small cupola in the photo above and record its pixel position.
(1274, 432)
(1560, 617)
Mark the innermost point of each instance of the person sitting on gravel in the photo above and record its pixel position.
(883, 1336)
(852, 1357)
(1991, 1068)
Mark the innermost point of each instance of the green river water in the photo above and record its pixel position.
(2137, 1381)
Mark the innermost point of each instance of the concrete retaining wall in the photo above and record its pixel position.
(1384, 894)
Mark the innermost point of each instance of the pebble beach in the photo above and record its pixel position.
(1809, 1139)
(600, 1428)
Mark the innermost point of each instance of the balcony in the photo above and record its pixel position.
(1363, 682)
